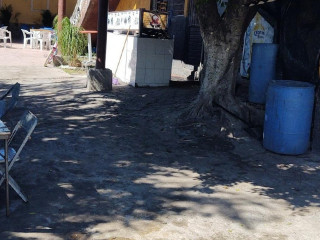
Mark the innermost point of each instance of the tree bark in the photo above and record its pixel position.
(61, 12)
(222, 37)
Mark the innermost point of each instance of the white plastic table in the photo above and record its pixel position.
(89, 32)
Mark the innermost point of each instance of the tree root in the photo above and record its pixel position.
(200, 108)
(242, 110)
(204, 107)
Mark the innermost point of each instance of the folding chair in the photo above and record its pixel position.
(21, 133)
(7, 105)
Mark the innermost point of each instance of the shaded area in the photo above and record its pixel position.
(125, 164)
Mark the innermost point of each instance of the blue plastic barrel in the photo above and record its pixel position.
(262, 70)
(288, 117)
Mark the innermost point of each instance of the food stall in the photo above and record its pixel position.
(139, 51)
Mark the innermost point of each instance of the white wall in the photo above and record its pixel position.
(154, 62)
(117, 43)
(144, 61)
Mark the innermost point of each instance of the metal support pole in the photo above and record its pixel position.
(186, 8)
(7, 176)
(102, 34)
(89, 47)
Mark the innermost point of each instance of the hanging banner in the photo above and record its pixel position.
(259, 31)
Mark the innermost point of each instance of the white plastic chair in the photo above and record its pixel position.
(26, 126)
(5, 35)
(27, 36)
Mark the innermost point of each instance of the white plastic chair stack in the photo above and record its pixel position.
(42, 38)
(37, 39)
(46, 38)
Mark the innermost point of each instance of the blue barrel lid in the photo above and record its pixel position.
(290, 83)
(265, 44)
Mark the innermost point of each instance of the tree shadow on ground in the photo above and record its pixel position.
(99, 162)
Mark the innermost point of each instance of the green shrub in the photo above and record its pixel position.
(71, 42)
(47, 18)
(5, 14)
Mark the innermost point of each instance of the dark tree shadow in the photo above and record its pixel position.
(99, 161)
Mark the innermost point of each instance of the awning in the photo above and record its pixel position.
(259, 2)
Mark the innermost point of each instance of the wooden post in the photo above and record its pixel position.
(61, 12)
(102, 34)
(100, 78)
(186, 8)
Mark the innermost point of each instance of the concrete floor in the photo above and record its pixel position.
(125, 165)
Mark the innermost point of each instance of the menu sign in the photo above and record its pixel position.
(145, 22)
(124, 20)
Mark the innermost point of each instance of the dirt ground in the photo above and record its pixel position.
(127, 165)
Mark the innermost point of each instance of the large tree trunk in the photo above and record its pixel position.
(222, 37)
